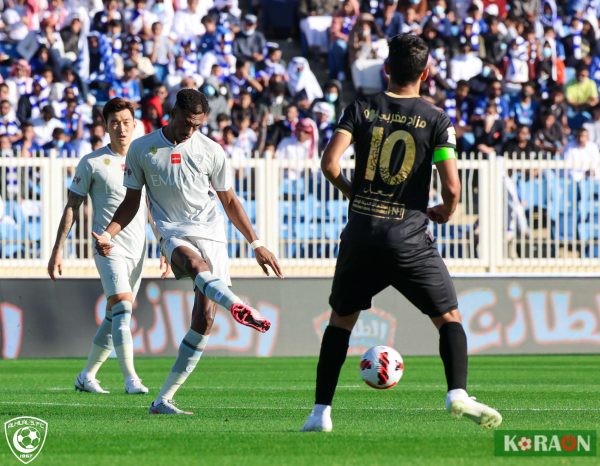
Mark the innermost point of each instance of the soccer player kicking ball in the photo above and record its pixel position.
(178, 165)
(100, 174)
(397, 136)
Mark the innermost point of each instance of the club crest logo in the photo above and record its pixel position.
(153, 150)
(26, 436)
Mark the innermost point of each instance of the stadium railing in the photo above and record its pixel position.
(517, 215)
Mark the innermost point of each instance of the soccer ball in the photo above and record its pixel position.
(381, 367)
(29, 438)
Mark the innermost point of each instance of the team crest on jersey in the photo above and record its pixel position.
(153, 150)
(128, 171)
(76, 179)
(106, 161)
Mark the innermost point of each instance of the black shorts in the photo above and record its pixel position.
(414, 268)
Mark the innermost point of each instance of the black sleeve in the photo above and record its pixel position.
(349, 120)
(444, 132)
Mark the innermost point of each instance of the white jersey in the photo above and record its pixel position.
(100, 174)
(178, 179)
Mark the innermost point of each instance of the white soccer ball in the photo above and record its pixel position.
(381, 367)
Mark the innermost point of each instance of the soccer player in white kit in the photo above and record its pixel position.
(100, 174)
(178, 165)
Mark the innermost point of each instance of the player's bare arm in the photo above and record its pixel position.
(448, 171)
(235, 212)
(123, 215)
(330, 163)
(74, 201)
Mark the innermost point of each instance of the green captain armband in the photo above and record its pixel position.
(443, 153)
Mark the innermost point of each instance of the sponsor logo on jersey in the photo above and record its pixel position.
(175, 158)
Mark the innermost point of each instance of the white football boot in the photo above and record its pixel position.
(460, 404)
(135, 387)
(166, 407)
(319, 420)
(85, 384)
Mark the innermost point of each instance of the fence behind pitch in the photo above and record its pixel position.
(517, 214)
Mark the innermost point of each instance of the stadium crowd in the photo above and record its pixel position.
(528, 68)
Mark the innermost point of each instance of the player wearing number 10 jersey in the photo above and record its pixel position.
(397, 136)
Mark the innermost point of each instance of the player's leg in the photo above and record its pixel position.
(213, 282)
(355, 283)
(424, 280)
(100, 350)
(190, 351)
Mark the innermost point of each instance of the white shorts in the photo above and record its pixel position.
(119, 274)
(213, 252)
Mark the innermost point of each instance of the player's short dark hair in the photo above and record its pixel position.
(192, 101)
(407, 58)
(117, 105)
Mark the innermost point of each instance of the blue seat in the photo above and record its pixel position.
(532, 192)
(10, 241)
(563, 196)
(308, 230)
(587, 231)
(563, 227)
(591, 251)
(337, 210)
(293, 189)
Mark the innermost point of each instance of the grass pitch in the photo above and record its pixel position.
(248, 412)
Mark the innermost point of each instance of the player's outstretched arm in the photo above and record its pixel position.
(448, 171)
(123, 215)
(235, 212)
(66, 222)
(330, 162)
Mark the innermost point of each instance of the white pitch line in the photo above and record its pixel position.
(281, 408)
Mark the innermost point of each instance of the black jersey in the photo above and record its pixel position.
(394, 141)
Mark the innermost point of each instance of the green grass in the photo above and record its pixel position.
(248, 412)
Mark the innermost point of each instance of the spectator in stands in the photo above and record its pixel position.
(9, 126)
(272, 64)
(187, 23)
(332, 94)
(244, 106)
(72, 121)
(138, 20)
(158, 48)
(391, 20)
(222, 121)
(30, 105)
(495, 94)
(249, 44)
(411, 21)
(59, 144)
(44, 125)
(152, 115)
(218, 102)
(516, 65)
(299, 147)
(284, 128)
(71, 36)
(557, 105)
(583, 156)
(549, 137)
(143, 65)
(495, 43)
(489, 131)
(103, 17)
(520, 146)
(322, 116)
(274, 102)
(362, 37)
(301, 77)
(465, 65)
(247, 138)
(315, 20)
(20, 82)
(209, 39)
(222, 55)
(592, 127)
(129, 86)
(525, 109)
(582, 92)
(342, 23)
(26, 146)
(241, 80)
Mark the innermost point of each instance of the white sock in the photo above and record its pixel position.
(190, 350)
(123, 342)
(216, 290)
(322, 410)
(456, 394)
(101, 348)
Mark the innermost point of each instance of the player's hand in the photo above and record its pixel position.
(265, 257)
(439, 214)
(55, 265)
(103, 244)
(165, 267)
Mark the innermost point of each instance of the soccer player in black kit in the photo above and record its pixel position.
(397, 136)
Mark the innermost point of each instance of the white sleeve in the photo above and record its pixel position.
(134, 174)
(82, 181)
(220, 177)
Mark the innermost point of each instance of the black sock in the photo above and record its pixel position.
(453, 350)
(331, 359)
